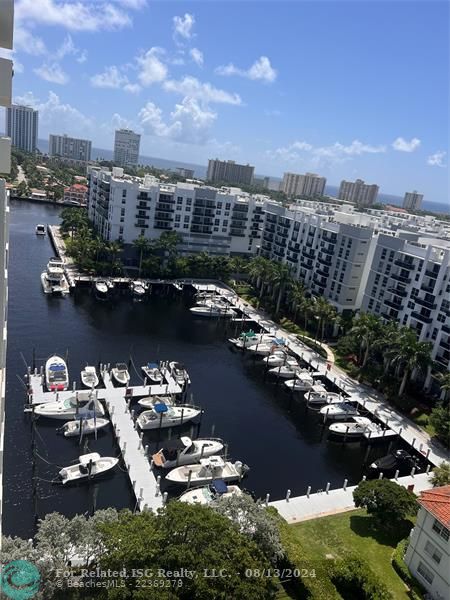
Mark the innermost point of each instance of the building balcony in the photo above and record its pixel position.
(306, 265)
(294, 247)
(398, 292)
(166, 199)
(421, 317)
(427, 288)
(143, 206)
(308, 253)
(309, 244)
(432, 274)
(142, 196)
(145, 226)
(163, 217)
(165, 207)
(281, 244)
(319, 282)
(279, 252)
(268, 237)
(400, 278)
(329, 237)
(324, 261)
(446, 328)
(239, 217)
(142, 217)
(320, 271)
(270, 228)
(404, 264)
(425, 303)
(388, 316)
(283, 234)
(393, 305)
(440, 358)
(444, 344)
(292, 259)
(328, 251)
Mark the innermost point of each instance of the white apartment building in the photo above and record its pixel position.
(126, 148)
(22, 127)
(412, 200)
(309, 185)
(358, 192)
(69, 149)
(228, 171)
(6, 41)
(428, 552)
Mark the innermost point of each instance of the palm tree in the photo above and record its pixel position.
(324, 312)
(114, 248)
(296, 296)
(143, 245)
(366, 330)
(411, 356)
(168, 242)
(444, 380)
(258, 266)
(388, 342)
(238, 264)
(281, 280)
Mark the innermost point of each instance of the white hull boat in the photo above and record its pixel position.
(40, 229)
(90, 466)
(279, 358)
(89, 377)
(81, 404)
(302, 383)
(266, 348)
(339, 411)
(318, 396)
(56, 374)
(138, 289)
(350, 429)
(120, 374)
(209, 493)
(186, 451)
(162, 415)
(286, 371)
(101, 289)
(249, 339)
(72, 428)
(179, 373)
(206, 471)
(152, 372)
(54, 283)
(151, 401)
(215, 310)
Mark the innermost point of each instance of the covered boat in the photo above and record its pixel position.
(341, 410)
(90, 466)
(41, 229)
(87, 426)
(206, 471)
(80, 404)
(184, 451)
(162, 415)
(399, 460)
(350, 429)
(120, 373)
(89, 377)
(302, 383)
(152, 372)
(56, 374)
(208, 493)
(250, 338)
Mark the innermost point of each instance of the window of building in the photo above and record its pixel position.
(179, 207)
(180, 200)
(405, 318)
(414, 292)
(425, 572)
(177, 226)
(227, 214)
(122, 220)
(441, 530)
(122, 212)
(227, 206)
(177, 218)
(124, 193)
(411, 304)
(124, 201)
(224, 229)
(216, 221)
(121, 230)
(185, 226)
(371, 301)
(188, 201)
(216, 229)
(186, 219)
(435, 554)
(188, 209)
(225, 222)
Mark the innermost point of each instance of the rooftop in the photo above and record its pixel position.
(437, 502)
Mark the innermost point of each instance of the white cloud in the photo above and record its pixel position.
(24, 41)
(182, 27)
(261, 70)
(437, 159)
(52, 72)
(197, 56)
(113, 78)
(152, 69)
(403, 145)
(203, 92)
(82, 57)
(356, 148)
(337, 152)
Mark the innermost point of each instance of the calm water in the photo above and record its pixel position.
(284, 446)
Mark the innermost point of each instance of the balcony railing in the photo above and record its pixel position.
(142, 217)
(427, 288)
(393, 305)
(398, 292)
(421, 317)
(433, 274)
(404, 264)
(425, 303)
(401, 278)
(319, 282)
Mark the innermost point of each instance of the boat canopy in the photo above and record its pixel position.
(121, 367)
(152, 366)
(57, 367)
(85, 459)
(160, 408)
(177, 444)
(219, 486)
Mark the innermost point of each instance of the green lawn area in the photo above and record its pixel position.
(353, 531)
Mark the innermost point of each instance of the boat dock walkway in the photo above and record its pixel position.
(330, 502)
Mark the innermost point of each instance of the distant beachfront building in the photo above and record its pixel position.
(228, 171)
(261, 182)
(358, 192)
(412, 200)
(307, 185)
(69, 149)
(126, 148)
(22, 127)
(186, 173)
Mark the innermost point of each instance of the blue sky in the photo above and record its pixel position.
(345, 89)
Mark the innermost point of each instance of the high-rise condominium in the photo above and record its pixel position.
(126, 148)
(228, 171)
(69, 149)
(412, 200)
(362, 194)
(308, 185)
(22, 127)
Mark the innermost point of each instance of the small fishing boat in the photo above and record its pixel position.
(318, 395)
(250, 338)
(185, 451)
(56, 374)
(266, 347)
(302, 383)
(81, 404)
(101, 289)
(207, 470)
(89, 377)
(399, 460)
(151, 401)
(90, 466)
(208, 493)
(87, 426)
(162, 415)
(279, 358)
(350, 429)
(152, 372)
(41, 229)
(287, 371)
(341, 410)
(212, 310)
(120, 374)
(138, 289)
(179, 373)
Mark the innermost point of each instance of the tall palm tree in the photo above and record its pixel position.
(114, 248)
(444, 380)
(388, 342)
(143, 245)
(366, 330)
(257, 268)
(296, 296)
(324, 312)
(281, 280)
(411, 356)
(168, 242)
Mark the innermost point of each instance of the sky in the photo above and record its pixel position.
(346, 89)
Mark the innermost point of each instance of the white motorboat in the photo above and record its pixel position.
(206, 471)
(120, 373)
(209, 493)
(87, 426)
(318, 395)
(179, 373)
(302, 383)
(212, 310)
(162, 415)
(81, 404)
(250, 338)
(56, 374)
(138, 289)
(90, 466)
(338, 411)
(287, 371)
(350, 429)
(266, 347)
(151, 401)
(89, 377)
(101, 289)
(53, 279)
(278, 358)
(41, 229)
(152, 372)
(185, 451)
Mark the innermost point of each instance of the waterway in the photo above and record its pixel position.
(282, 442)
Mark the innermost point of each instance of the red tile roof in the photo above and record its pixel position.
(437, 502)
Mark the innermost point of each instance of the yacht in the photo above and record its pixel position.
(53, 279)
(56, 374)
(206, 471)
(338, 411)
(318, 395)
(101, 289)
(250, 338)
(138, 289)
(179, 373)
(287, 371)
(81, 404)
(90, 466)
(184, 451)
(265, 348)
(208, 493)
(41, 229)
(212, 310)
(120, 374)
(89, 377)
(162, 415)
(152, 373)
(279, 358)
(302, 383)
(353, 429)
(87, 426)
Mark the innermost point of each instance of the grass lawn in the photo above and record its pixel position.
(352, 531)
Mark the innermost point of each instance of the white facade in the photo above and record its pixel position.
(358, 192)
(22, 127)
(308, 185)
(69, 149)
(412, 200)
(126, 148)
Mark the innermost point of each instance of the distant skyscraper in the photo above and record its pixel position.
(362, 194)
(22, 127)
(309, 185)
(228, 171)
(412, 200)
(69, 149)
(126, 148)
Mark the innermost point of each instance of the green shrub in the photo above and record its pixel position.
(354, 579)
(416, 591)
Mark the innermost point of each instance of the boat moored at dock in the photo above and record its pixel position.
(41, 229)
(83, 426)
(89, 377)
(184, 451)
(341, 410)
(302, 383)
(207, 470)
(162, 415)
(209, 493)
(353, 429)
(120, 374)
(56, 374)
(90, 466)
(318, 395)
(179, 373)
(78, 405)
(152, 372)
